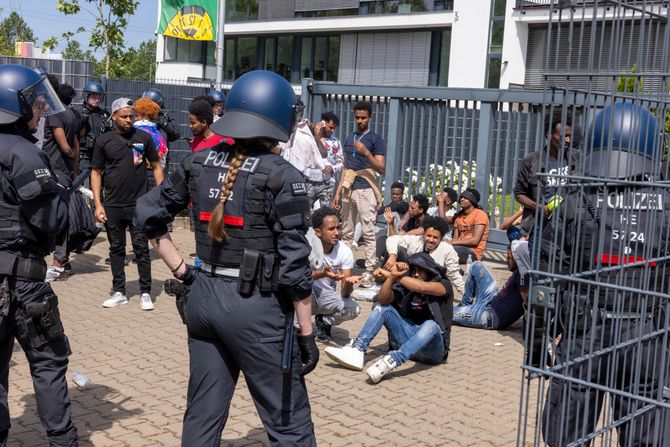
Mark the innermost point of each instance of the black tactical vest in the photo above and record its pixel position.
(614, 228)
(15, 233)
(95, 123)
(246, 209)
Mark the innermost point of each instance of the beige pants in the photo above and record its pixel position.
(363, 204)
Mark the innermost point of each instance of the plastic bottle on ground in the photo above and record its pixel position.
(81, 380)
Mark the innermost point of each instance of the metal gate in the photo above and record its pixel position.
(597, 329)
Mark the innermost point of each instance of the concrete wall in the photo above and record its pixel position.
(469, 43)
(515, 48)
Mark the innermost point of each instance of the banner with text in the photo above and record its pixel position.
(188, 19)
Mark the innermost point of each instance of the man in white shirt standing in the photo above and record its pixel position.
(306, 152)
(400, 247)
(331, 306)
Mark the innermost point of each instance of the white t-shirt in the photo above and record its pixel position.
(341, 256)
(434, 211)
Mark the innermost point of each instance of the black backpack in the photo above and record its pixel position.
(83, 229)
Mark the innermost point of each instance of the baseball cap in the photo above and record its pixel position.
(122, 103)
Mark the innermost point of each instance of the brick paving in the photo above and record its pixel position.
(138, 364)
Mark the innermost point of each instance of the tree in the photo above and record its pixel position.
(73, 51)
(14, 29)
(111, 19)
(630, 84)
(135, 63)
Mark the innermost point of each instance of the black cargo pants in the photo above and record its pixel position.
(48, 359)
(228, 333)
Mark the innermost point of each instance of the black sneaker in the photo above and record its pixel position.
(322, 329)
(360, 263)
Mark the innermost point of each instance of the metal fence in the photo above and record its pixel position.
(177, 96)
(75, 73)
(445, 137)
(597, 331)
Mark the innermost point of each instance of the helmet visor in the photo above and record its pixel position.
(42, 98)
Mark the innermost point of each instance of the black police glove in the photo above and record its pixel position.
(163, 119)
(309, 353)
(188, 277)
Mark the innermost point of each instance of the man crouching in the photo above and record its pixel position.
(330, 306)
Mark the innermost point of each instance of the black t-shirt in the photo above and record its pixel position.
(412, 224)
(397, 207)
(122, 159)
(61, 164)
(508, 306)
(416, 308)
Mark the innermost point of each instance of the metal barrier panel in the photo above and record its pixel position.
(75, 73)
(177, 99)
(597, 332)
(441, 137)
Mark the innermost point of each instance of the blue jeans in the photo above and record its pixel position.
(407, 340)
(480, 290)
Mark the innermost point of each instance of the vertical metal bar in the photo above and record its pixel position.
(484, 145)
(394, 146)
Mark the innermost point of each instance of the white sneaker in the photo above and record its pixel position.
(115, 300)
(53, 273)
(145, 302)
(347, 356)
(367, 281)
(380, 368)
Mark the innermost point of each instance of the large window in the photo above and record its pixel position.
(403, 6)
(327, 13)
(241, 10)
(180, 50)
(439, 58)
(333, 58)
(293, 58)
(320, 58)
(496, 33)
(245, 59)
(284, 56)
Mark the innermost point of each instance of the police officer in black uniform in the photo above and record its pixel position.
(33, 209)
(219, 100)
(94, 121)
(598, 229)
(252, 213)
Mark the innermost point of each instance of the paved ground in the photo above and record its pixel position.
(138, 364)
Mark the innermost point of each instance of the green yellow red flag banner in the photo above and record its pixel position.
(188, 19)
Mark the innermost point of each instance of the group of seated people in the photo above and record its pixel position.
(421, 256)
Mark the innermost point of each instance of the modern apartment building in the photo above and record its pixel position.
(454, 43)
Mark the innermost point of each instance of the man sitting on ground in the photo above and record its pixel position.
(330, 306)
(400, 247)
(411, 222)
(471, 227)
(416, 305)
(397, 204)
(445, 209)
(483, 305)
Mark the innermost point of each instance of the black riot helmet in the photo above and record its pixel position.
(217, 96)
(23, 92)
(155, 95)
(626, 142)
(260, 104)
(93, 87)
